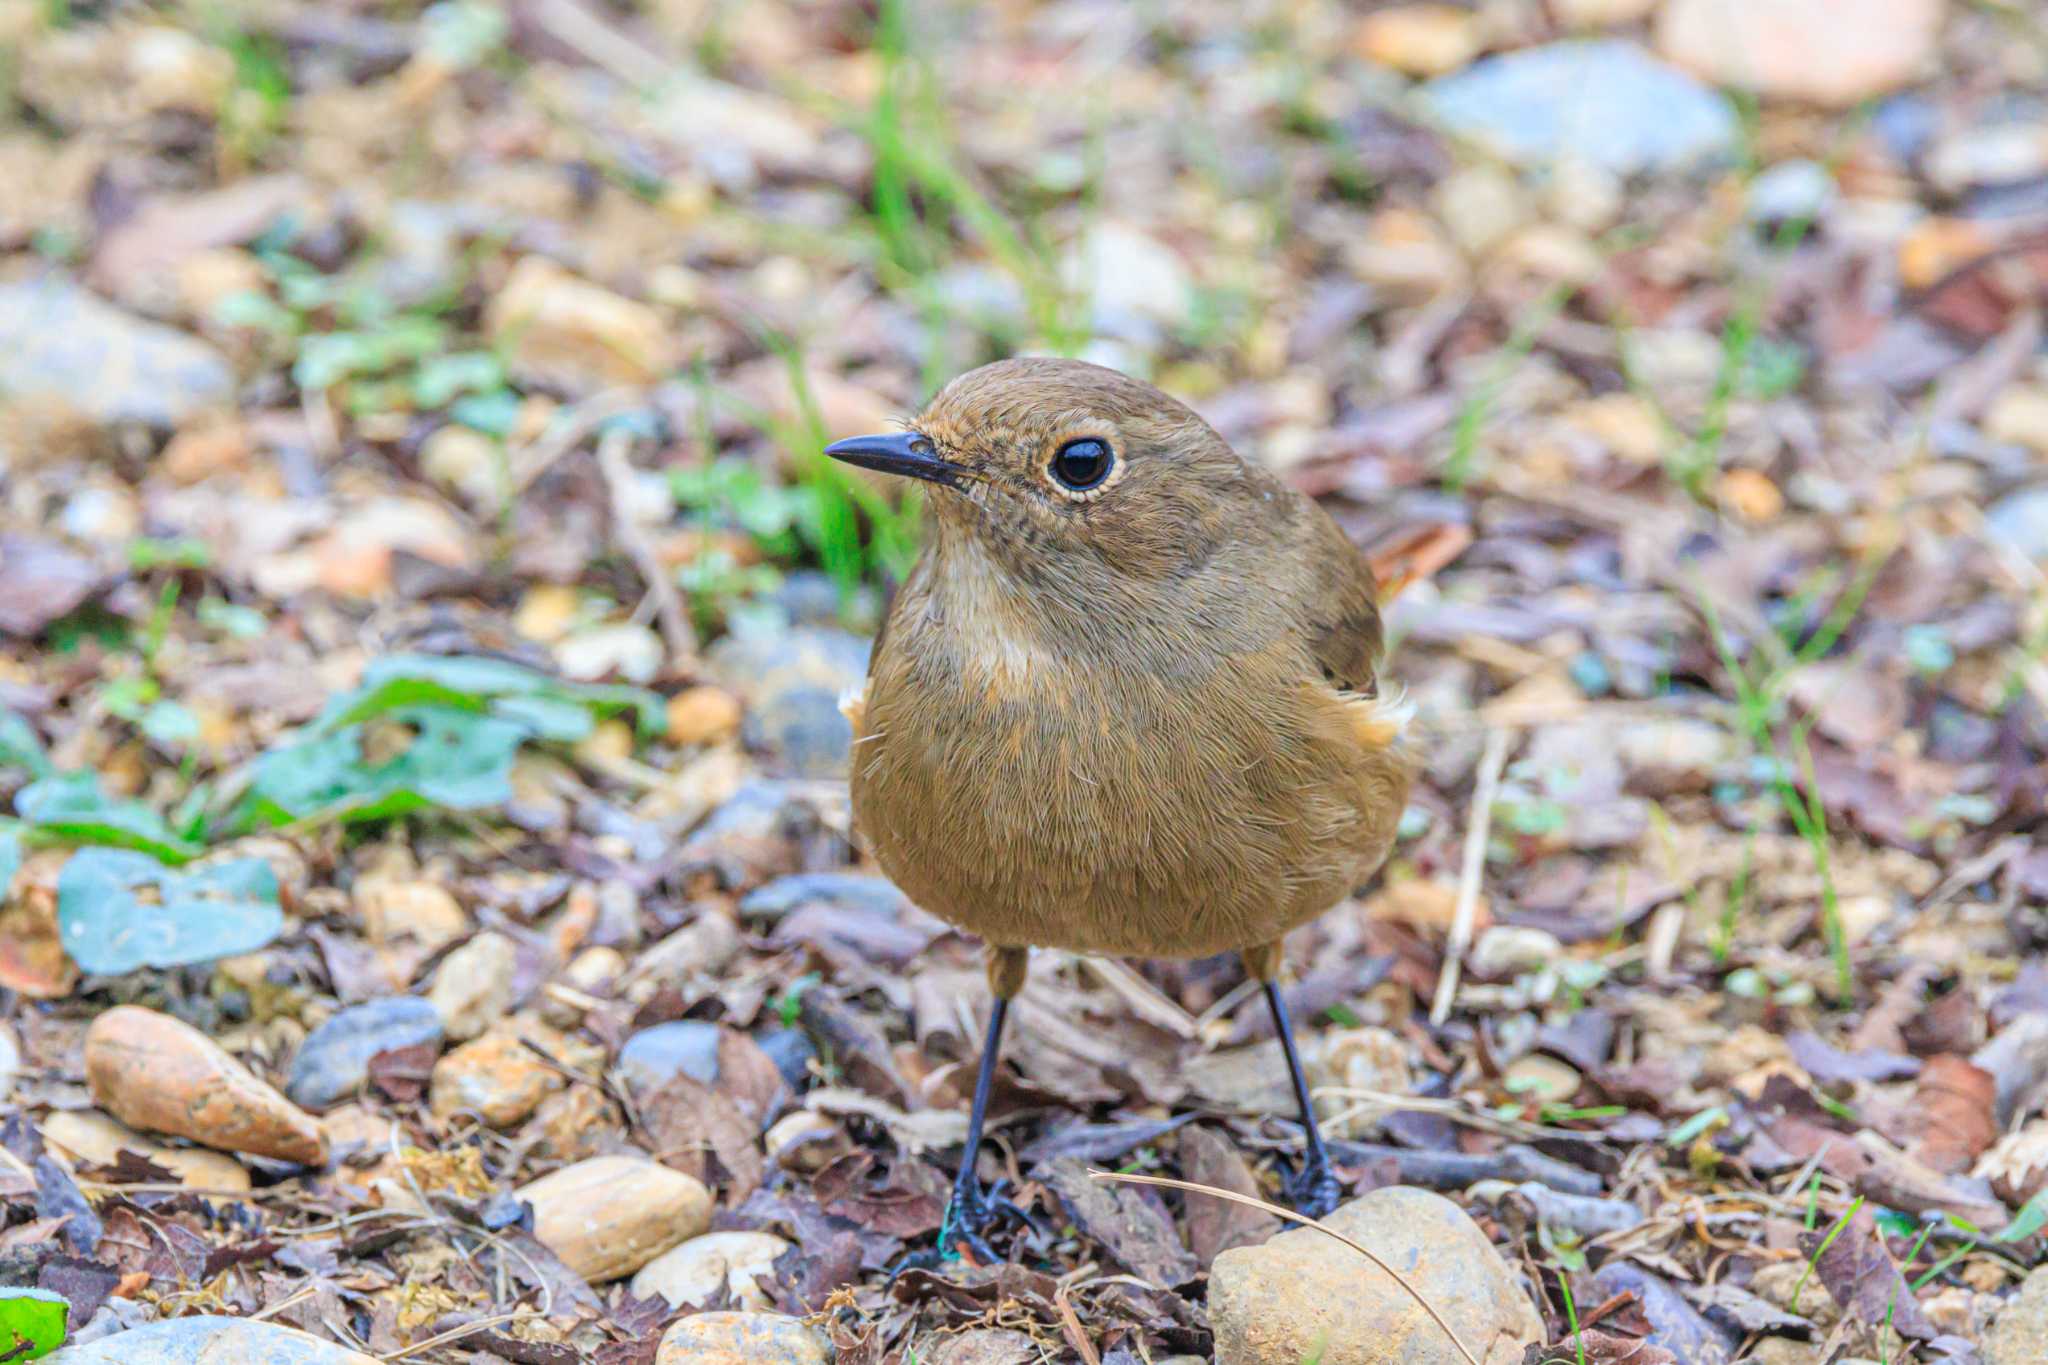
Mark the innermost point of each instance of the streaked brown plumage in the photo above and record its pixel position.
(1142, 718)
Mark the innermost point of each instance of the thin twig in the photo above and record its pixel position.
(668, 603)
(566, 432)
(1070, 1324)
(1491, 761)
(1291, 1216)
(452, 1334)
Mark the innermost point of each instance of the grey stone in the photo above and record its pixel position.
(810, 598)
(209, 1341)
(791, 1051)
(1674, 1324)
(57, 340)
(847, 890)
(334, 1061)
(654, 1056)
(791, 682)
(758, 810)
(1604, 101)
(1796, 191)
(2021, 521)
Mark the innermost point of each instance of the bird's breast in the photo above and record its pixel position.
(1038, 795)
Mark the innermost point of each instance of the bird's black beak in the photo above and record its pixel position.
(903, 452)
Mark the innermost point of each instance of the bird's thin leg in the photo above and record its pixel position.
(1313, 1189)
(972, 1210)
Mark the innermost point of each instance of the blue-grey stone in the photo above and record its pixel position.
(2021, 521)
(847, 890)
(811, 598)
(1605, 101)
(57, 340)
(1674, 1324)
(654, 1056)
(1797, 191)
(791, 682)
(209, 1341)
(334, 1061)
(792, 1052)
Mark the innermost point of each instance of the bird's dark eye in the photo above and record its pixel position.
(1081, 465)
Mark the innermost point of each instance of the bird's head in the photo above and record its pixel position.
(1062, 467)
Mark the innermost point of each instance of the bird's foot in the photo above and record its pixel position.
(971, 1214)
(1314, 1190)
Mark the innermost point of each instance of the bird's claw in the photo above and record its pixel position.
(971, 1214)
(1314, 1190)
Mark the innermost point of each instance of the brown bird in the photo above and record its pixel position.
(1127, 702)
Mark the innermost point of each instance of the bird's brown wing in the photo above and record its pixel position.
(1342, 611)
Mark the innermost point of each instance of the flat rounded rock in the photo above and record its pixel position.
(610, 1215)
(741, 1339)
(209, 1341)
(654, 1056)
(86, 1135)
(474, 986)
(1306, 1296)
(334, 1061)
(160, 1074)
(496, 1077)
(845, 890)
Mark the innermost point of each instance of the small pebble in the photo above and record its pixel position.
(1419, 40)
(419, 910)
(742, 1339)
(473, 988)
(157, 1073)
(2019, 417)
(610, 1215)
(561, 331)
(654, 1056)
(496, 1077)
(634, 654)
(694, 1273)
(1503, 950)
(703, 715)
(334, 1061)
(791, 682)
(843, 890)
(792, 1052)
(805, 1141)
(1791, 192)
(1830, 52)
(1540, 1079)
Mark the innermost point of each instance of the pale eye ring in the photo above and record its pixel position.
(1082, 464)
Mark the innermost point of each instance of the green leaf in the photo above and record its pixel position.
(1695, 1126)
(493, 414)
(457, 760)
(2028, 1221)
(441, 379)
(474, 683)
(109, 927)
(71, 807)
(170, 724)
(36, 1317)
(19, 747)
